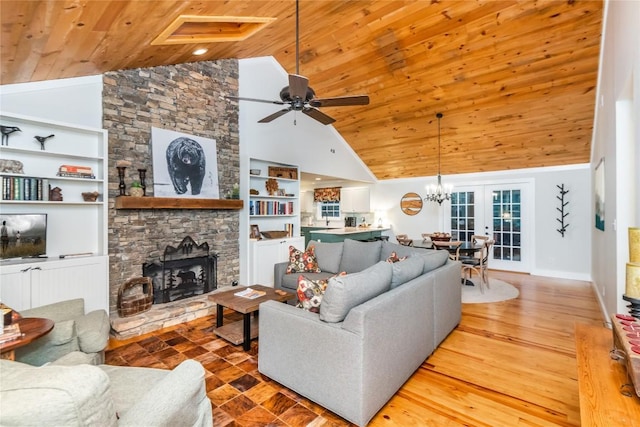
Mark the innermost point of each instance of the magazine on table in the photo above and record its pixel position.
(250, 293)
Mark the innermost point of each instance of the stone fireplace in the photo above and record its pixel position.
(188, 98)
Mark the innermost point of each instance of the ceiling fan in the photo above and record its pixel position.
(299, 96)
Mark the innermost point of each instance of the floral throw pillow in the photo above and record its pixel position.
(394, 258)
(302, 262)
(310, 292)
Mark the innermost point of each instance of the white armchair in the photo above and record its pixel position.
(73, 331)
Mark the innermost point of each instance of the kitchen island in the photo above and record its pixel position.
(339, 234)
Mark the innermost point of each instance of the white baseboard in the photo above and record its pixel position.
(562, 275)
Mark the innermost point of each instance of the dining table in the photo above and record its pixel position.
(466, 249)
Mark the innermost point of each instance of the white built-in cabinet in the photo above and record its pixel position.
(76, 265)
(355, 199)
(266, 253)
(272, 212)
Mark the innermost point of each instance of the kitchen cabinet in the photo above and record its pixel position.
(355, 199)
(306, 202)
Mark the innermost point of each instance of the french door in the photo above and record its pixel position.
(500, 211)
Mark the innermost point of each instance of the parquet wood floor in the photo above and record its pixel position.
(506, 364)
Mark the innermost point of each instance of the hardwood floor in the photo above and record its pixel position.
(507, 364)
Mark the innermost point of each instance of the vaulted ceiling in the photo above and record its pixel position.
(515, 80)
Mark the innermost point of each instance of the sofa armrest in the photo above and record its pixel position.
(179, 399)
(279, 270)
(93, 331)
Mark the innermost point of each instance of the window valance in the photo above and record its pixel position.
(329, 194)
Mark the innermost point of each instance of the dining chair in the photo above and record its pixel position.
(479, 265)
(479, 238)
(453, 247)
(404, 240)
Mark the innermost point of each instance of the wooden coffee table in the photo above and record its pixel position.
(243, 331)
(32, 328)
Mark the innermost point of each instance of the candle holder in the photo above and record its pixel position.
(143, 173)
(634, 307)
(121, 186)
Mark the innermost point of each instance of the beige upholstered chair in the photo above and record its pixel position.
(74, 330)
(480, 265)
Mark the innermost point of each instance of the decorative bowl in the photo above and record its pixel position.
(90, 197)
(277, 234)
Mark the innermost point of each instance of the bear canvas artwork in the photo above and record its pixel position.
(184, 165)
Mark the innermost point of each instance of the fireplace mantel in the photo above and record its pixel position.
(128, 202)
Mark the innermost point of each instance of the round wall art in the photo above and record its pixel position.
(411, 203)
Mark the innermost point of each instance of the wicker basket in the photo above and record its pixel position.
(131, 303)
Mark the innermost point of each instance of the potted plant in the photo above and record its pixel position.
(136, 189)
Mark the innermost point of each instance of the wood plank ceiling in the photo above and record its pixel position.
(516, 80)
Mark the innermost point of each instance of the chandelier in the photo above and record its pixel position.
(438, 193)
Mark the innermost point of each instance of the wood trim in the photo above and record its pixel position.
(128, 202)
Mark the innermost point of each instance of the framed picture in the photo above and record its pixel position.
(255, 231)
(184, 165)
(599, 196)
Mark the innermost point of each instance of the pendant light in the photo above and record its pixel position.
(438, 193)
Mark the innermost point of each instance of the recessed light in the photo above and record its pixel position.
(200, 51)
(318, 179)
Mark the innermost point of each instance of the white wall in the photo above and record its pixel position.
(616, 138)
(75, 101)
(553, 255)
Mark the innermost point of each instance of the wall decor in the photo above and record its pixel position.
(411, 203)
(599, 196)
(563, 214)
(184, 165)
(6, 131)
(42, 140)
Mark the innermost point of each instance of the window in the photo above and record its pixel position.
(462, 215)
(329, 209)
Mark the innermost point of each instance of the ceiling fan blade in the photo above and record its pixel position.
(298, 86)
(340, 101)
(238, 98)
(275, 115)
(314, 113)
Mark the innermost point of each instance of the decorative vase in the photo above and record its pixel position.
(136, 192)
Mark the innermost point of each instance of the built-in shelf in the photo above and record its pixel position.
(128, 202)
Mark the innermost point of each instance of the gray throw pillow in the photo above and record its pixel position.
(434, 259)
(328, 255)
(406, 270)
(345, 292)
(357, 256)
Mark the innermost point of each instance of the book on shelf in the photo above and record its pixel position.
(10, 333)
(250, 293)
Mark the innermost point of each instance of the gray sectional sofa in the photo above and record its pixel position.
(375, 326)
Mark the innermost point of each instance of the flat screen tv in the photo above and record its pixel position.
(23, 235)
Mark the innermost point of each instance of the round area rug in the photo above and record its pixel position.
(497, 291)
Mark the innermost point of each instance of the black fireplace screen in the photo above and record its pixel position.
(183, 272)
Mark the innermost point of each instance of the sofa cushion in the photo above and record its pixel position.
(345, 292)
(290, 281)
(401, 251)
(50, 395)
(300, 261)
(408, 269)
(358, 256)
(433, 259)
(328, 255)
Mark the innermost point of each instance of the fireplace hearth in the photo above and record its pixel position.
(184, 271)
